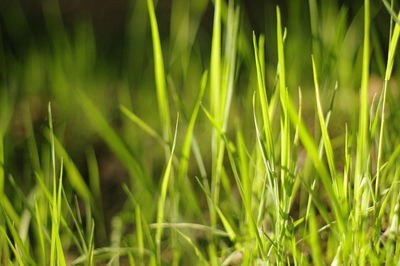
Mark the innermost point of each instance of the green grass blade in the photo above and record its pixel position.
(139, 122)
(1, 166)
(392, 49)
(101, 125)
(215, 101)
(323, 125)
(19, 244)
(362, 137)
(139, 231)
(184, 161)
(42, 247)
(389, 67)
(215, 63)
(97, 120)
(193, 226)
(95, 188)
(75, 178)
(314, 241)
(312, 151)
(163, 195)
(11, 245)
(285, 125)
(162, 95)
(196, 249)
(389, 8)
(259, 59)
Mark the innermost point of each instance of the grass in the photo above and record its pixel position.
(284, 151)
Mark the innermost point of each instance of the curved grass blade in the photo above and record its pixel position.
(323, 125)
(163, 195)
(162, 95)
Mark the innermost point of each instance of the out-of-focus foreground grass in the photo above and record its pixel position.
(202, 132)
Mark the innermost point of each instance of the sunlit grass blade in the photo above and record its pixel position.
(392, 50)
(95, 188)
(314, 241)
(163, 195)
(19, 244)
(139, 231)
(105, 253)
(227, 225)
(215, 95)
(162, 95)
(143, 228)
(1, 166)
(391, 12)
(247, 191)
(13, 248)
(179, 102)
(75, 178)
(139, 122)
(188, 142)
(184, 161)
(215, 63)
(103, 127)
(285, 126)
(80, 235)
(235, 163)
(192, 226)
(116, 144)
(56, 249)
(259, 59)
(196, 249)
(41, 241)
(362, 136)
(325, 135)
(388, 73)
(312, 151)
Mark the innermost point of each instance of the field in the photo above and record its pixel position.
(199, 132)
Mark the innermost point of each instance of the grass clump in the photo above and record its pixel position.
(278, 155)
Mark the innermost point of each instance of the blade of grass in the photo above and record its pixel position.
(139, 231)
(314, 241)
(193, 226)
(389, 67)
(163, 195)
(104, 253)
(312, 151)
(19, 244)
(196, 249)
(259, 59)
(75, 178)
(162, 95)
(285, 137)
(362, 136)
(391, 12)
(215, 89)
(42, 247)
(94, 181)
(13, 248)
(1, 166)
(139, 122)
(97, 120)
(56, 250)
(323, 126)
(184, 161)
(187, 144)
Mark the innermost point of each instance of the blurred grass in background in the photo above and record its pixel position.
(93, 61)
